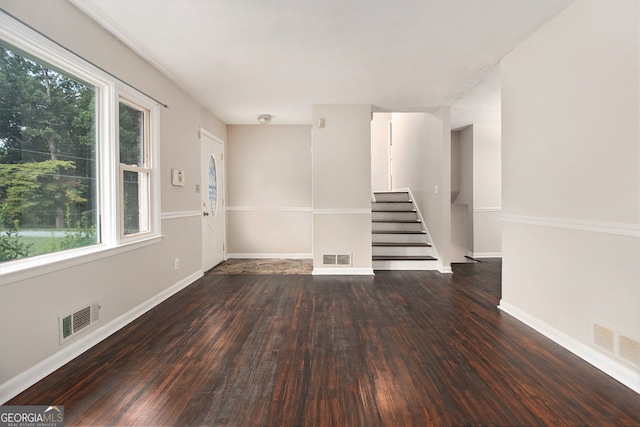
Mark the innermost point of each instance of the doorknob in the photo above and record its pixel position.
(205, 213)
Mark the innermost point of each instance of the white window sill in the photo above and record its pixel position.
(14, 271)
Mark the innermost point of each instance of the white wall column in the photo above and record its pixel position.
(342, 187)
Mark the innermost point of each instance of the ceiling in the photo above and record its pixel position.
(241, 58)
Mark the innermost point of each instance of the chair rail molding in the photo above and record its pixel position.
(617, 228)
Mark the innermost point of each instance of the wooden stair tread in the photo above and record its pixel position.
(403, 258)
(392, 201)
(401, 221)
(386, 210)
(400, 245)
(397, 232)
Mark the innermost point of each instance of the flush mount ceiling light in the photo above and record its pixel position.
(264, 119)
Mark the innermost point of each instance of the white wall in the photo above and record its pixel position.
(125, 283)
(269, 191)
(380, 151)
(342, 187)
(422, 163)
(571, 180)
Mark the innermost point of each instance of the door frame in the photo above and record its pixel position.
(203, 187)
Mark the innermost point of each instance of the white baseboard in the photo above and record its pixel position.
(271, 255)
(84, 342)
(445, 270)
(614, 369)
(486, 255)
(395, 265)
(331, 271)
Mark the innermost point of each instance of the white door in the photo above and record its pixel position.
(213, 212)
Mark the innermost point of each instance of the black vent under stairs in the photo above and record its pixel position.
(400, 240)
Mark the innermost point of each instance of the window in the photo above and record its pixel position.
(48, 174)
(78, 155)
(135, 171)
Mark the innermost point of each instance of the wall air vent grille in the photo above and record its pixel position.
(630, 350)
(73, 323)
(343, 260)
(603, 337)
(81, 319)
(329, 259)
(336, 260)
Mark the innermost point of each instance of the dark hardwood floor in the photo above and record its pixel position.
(398, 349)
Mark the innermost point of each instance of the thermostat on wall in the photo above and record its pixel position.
(177, 177)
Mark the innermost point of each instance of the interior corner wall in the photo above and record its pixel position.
(571, 182)
(487, 190)
(127, 283)
(269, 206)
(342, 187)
(479, 199)
(462, 194)
(422, 163)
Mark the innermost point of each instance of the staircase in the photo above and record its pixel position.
(400, 239)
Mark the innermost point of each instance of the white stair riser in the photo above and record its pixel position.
(390, 216)
(399, 238)
(392, 197)
(402, 250)
(396, 226)
(405, 265)
(391, 206)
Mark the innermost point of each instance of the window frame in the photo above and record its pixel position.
(150, 168)
(109, 91)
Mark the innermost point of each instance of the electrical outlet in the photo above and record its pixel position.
(176, 264)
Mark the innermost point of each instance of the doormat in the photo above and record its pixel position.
(263, 266)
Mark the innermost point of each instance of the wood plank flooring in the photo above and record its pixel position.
(397, 349)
